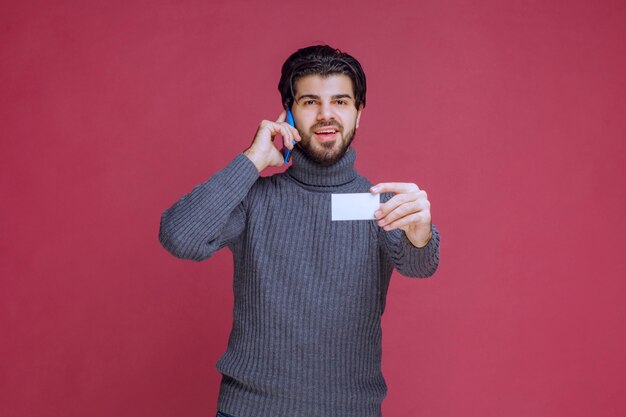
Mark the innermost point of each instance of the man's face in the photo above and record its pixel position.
(325, 115)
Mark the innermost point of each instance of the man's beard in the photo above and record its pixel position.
(329, 152)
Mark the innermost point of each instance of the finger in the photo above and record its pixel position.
(294, 133)
(394, 202)
(420, 197)
(287, 135)
(272, 127)
(414, 218)
(278, 129)
(282, 117)
(396, 216)
(394, 187)
(399, 212)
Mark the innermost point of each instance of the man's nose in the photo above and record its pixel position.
(325, 112)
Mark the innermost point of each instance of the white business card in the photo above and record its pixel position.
(356, 206)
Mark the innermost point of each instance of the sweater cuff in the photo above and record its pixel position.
(412, 261)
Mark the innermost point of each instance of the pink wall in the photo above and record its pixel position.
(511, 114)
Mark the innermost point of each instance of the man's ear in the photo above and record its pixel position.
(358, 116)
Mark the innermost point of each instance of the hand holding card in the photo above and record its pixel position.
(408, 209)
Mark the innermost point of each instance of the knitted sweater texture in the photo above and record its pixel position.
(308, 292)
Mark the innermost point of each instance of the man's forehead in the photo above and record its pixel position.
(330, 85)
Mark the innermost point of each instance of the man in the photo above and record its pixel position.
(309, 292)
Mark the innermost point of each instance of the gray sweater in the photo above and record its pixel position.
(309, 292)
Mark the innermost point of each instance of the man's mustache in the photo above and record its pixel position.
(327, 124)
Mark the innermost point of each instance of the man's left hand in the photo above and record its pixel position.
(408, 209)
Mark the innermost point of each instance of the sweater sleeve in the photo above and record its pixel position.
(211, 215)
(409, 260)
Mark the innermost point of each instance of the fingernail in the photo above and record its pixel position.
(374, 189)
(378, 213)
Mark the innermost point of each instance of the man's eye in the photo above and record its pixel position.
(309, 102)
(341, 102)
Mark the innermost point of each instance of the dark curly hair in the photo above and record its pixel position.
(324, 61)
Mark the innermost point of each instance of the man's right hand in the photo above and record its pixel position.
(263, 153)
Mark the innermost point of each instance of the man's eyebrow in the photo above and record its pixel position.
(308, 96)
(336, 96)
(315, 97)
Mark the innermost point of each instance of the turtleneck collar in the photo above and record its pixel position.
(308, 172)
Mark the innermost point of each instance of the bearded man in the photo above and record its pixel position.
(309, 292)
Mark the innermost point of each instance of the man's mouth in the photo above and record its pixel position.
(326, 134)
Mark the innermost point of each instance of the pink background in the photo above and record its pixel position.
(511, 114)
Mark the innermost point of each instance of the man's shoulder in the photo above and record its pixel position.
(362, 182)
(363, 179)
(268, 182)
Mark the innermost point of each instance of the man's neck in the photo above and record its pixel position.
(309, 172)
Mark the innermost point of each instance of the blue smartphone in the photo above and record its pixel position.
(287, 151)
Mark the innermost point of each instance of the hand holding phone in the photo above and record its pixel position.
(263, 152)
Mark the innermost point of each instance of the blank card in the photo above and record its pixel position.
(359, 206)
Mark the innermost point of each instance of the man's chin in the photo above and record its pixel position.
(326, 153)
(326, 156)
